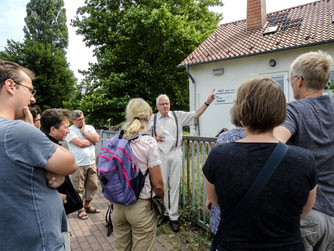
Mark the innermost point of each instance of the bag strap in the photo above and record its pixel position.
(177, 128)
(254, 191)
(121, 133)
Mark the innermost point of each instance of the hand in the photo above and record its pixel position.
(211, 97)
(54, 180)
(208, 205)
(160, 138)
(83, 128)
(28, 116)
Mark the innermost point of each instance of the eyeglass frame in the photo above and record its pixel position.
(31, 90)
(78, 120)
(289, 79)
(162, 104)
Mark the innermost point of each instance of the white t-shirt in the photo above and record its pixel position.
(84, 156)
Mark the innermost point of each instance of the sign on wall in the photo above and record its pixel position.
(225, 96)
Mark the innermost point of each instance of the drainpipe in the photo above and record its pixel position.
(197, 127)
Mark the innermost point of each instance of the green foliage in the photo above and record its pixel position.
(138, 45)
(46, 23)
(43, 52)
(54, 80)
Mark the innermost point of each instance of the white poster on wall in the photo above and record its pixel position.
(225, 96)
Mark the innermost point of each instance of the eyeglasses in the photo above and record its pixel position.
(81, 119)
(162, 104)
(32, 91)
(289, 79)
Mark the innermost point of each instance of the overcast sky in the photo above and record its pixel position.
(13, 14)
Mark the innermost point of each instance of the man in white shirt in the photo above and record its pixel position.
(81, 141)
(166, 126)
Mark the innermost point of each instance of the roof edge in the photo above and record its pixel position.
(260, 53)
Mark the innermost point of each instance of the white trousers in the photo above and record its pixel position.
(171, 165)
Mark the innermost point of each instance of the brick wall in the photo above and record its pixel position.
(256, 14)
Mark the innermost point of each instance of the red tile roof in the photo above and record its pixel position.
(299, 26)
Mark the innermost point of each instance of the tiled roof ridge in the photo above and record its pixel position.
(297, 28)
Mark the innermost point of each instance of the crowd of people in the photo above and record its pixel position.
(262, 194)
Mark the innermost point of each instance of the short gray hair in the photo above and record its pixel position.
(161, 96)
(76, 113)
(314, 67)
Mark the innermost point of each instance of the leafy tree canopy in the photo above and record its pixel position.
(46, 23)
(43, 52)
(54, 80)
(138, 44)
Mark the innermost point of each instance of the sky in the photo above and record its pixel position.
(78, 55)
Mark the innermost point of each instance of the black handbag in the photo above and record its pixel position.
(158, 205)
(73, 200)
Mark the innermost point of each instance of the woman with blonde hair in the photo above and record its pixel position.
(271, 220)
(135, 224)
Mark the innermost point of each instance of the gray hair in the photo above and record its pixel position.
(161, 96)
(314, 67)
(76, 113)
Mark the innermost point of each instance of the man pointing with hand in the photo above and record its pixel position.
(166, 126)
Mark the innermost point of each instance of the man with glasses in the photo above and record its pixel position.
(31, 167)
(310, 124)
(166, 126)
(81, 142)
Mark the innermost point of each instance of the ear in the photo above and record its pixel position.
(300, 81)
(52, 131)
(9, 86)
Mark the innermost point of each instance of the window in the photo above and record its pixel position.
(281, 79)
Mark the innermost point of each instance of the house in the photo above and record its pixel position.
(262, 44)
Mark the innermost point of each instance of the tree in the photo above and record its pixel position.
(138, 44)
(46, 23)
(43, 52)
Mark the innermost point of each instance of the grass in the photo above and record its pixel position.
(190, 237)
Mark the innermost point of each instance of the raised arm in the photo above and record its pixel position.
(91, 136)
(209, 100)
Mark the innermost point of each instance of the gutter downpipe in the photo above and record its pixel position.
(194, 88)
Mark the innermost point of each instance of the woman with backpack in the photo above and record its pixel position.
(135, 224)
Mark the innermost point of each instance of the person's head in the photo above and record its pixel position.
(234, 119)
(16, 86)
(163, 104)
(138, 114)
(55, 122)
(260, 104)
(36, 115)
(78, 118)
(313, 68)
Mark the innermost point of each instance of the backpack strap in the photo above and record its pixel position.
(177, 128)
(253, 192)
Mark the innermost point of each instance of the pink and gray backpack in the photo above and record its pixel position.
(121, 179)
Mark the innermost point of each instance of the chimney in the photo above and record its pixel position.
(256, 14)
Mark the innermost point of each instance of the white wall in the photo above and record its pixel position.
(236, 72)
